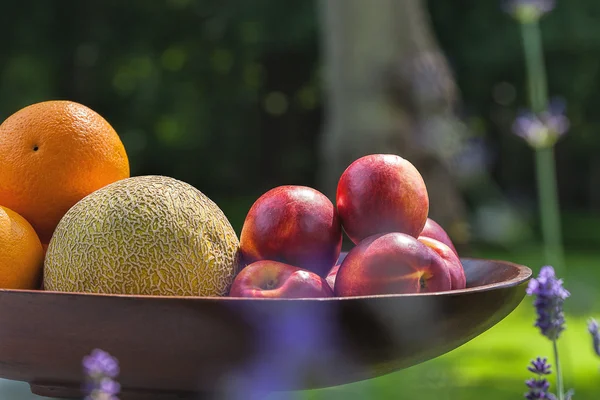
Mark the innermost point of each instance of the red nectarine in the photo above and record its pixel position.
(381, 193)
(296, 225)
(278, 280)
(435, 231)
(453, 263)
(391, 263)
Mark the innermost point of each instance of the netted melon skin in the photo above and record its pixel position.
(145, 235)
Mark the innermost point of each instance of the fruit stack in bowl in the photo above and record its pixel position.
(292, 236)
(73, 219)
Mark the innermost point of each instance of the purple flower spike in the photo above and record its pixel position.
(109, 387)
(528, 126)
(528, 10)
(593, 328)
(540, 366)
(545, 128)
(538, 389)
(550, 296)
(100, 362)
(101, 369)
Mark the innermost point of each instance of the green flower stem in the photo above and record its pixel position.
(549, 209)
(545, 163)
(534, 60)
(559, 379)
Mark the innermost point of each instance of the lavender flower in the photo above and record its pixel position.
(101, 369)
(593, 328)
(538, 387)
(526, 11)
(540, 366)
(550, 296)
(543, 129)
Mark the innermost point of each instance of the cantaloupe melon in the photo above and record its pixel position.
(150, 235)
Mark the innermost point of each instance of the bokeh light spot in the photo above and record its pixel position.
(276, 103)
(173, 58)
(307, 97)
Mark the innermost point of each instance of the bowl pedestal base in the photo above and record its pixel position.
(57, 390)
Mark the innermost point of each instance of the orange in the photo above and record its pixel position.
(52, 154)
(21, 253)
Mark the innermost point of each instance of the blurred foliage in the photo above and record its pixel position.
(221, 94)
(226, 95)
(484, 47)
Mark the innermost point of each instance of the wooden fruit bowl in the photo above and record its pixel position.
(183, 347)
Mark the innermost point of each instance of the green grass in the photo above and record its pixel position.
(493, 365)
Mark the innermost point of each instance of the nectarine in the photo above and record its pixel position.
(453, 263)
(391, 263)
(381, 193)
(435, 231)
(272, 279)
(296, 225)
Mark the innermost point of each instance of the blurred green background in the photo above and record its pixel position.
(236, 97)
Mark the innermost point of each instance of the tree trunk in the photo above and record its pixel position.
(389, 90)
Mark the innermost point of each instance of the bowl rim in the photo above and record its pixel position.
(523, 275)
